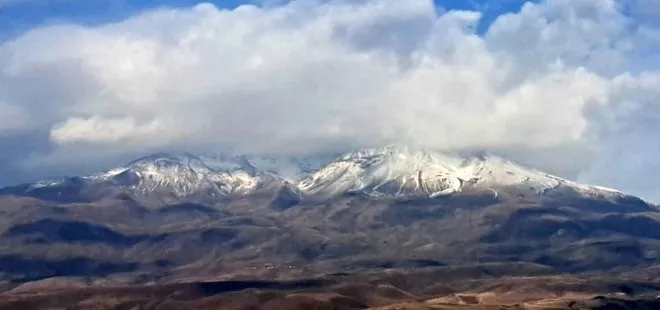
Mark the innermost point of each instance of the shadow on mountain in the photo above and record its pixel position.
(52, 231)
(597, 255)
(192, 209)
(391, 264)
(632, 225)
(408, 211)
(411, 214)
(463, 200)
(543, 224)
(624, 204)
(608, 303)
(218, 235)
(214, 288)
(23, 269)
(286, 198)
(68, 190)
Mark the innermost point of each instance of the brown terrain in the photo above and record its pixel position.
(489, 286)
(83, 244)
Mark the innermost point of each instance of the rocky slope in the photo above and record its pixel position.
(389, 172)
(166, 218)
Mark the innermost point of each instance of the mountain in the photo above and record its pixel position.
(172, 177)
(401, 172)
(180, 217)
(389, 172)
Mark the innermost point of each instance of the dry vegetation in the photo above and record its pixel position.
(466, 251)
(493, 286)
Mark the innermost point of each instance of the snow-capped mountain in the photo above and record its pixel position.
(389, 171)
(403, 172)
(185, 175)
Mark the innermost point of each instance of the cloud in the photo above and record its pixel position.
(11, 118)
(583, 33)
(96, 130)
(565, 78)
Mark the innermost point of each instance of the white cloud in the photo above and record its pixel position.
(311, 76)
(589, 33)
(97, 130)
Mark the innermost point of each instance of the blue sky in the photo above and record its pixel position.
(17, 16)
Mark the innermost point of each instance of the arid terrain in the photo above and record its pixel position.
(366, 231)
(490, 286)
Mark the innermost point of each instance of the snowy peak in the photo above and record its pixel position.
(220, 175)
(395, 171)
(186, 174)
(165, 163)
(389, 171)
(386, 171)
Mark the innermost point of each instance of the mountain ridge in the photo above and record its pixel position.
(380, 172)
(368, 210)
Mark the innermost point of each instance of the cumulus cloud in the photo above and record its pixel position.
(322, 76)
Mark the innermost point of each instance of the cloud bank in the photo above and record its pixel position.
(566, 85)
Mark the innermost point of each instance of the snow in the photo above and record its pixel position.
(185, 174)
(389, 171)
(377, 170)
(430, 174)
(45, 183)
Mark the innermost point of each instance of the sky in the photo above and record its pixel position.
(567, 86)
(17, 16)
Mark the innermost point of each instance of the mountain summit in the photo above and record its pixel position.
(379, 172)
(402, 172)
(175, 216)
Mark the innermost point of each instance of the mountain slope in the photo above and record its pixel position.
(389, 172)
(400, 172)
(171, 217)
